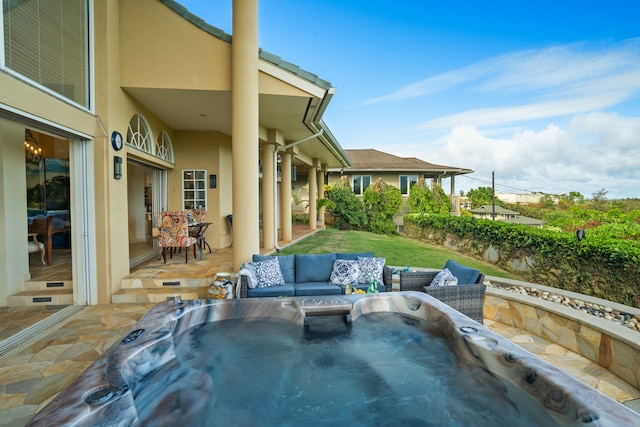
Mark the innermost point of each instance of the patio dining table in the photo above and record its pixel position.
(197, 230)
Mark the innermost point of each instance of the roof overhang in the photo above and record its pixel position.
(291, 99)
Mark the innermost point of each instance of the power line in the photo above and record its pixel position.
(498, 185)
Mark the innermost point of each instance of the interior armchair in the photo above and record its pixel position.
(174, 233)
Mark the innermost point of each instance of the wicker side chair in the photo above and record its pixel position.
(467, 299)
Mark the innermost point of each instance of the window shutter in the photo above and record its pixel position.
(47, 41)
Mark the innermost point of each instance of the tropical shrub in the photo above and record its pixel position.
(381, 204)
(600, 264)
(347, 208)
(424, 200)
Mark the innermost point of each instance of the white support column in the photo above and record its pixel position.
(285, 197)
(321, 172)
(268, 196)
(313, 195)
(245, 131)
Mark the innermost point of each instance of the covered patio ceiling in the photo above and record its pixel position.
(209, 111)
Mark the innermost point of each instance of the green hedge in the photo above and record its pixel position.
(603, 267)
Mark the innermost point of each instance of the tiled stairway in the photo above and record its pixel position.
(143, 290)
(156, 281)
(53, 292)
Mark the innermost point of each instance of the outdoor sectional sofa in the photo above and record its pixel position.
(467, 296)
(307, 275)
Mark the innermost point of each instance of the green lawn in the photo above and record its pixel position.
(398, 250)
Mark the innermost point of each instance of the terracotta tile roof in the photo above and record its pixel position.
(370, 159)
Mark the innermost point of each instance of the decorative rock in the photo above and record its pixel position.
(624, 319)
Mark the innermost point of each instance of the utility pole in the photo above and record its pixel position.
(493, 195)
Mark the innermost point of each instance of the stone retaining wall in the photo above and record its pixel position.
(613, 346)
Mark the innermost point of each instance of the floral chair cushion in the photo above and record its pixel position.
(174, 230)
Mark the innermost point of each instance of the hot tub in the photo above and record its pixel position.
(391, 359)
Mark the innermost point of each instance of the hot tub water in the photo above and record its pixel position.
(387, 369)
(406, 359)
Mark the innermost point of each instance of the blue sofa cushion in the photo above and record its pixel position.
(316, 288)
(465, 275)
(314, 268)
(285, 290)
(287, 263)
(354, 257)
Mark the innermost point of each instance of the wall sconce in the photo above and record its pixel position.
(117, 167)
(213, 181)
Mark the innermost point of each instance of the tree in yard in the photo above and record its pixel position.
(422, 199)
(481, 196)
(347, 208)
(381, 204)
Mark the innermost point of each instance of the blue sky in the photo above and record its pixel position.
(546, 94)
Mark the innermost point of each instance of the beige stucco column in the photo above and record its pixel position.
(244, 130)
(321, 195)
(313, 194)
(285, 197)
(268, 196)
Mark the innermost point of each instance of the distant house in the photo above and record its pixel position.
(523, 199)
(504, 215)
(367, 165)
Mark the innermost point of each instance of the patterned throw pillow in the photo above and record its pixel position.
(444, 278)
(268, 273)
(370, 267)
(345, 272)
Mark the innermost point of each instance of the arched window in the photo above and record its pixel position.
(139, 135)
(164, 149)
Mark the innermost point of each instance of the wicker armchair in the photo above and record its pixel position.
(467, 299)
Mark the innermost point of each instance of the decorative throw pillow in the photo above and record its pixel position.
(268, 273)
(370, 267)
(444, 278)
(249, 271)
(345, 272)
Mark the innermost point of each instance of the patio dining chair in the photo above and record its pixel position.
(174, 233)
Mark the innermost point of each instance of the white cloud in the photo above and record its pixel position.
(541, 119)
(529, 70)
(594, 151)
(521, 113)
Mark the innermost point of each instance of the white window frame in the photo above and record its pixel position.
(363, 186)
(90, 106)
(164, 148)
(411, 181)
(139, 134)
(190, 184)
